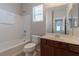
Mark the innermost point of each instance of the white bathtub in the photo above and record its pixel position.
(12, 48)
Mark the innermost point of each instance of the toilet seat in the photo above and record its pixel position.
(30, 45)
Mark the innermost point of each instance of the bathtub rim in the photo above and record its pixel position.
(24, 42)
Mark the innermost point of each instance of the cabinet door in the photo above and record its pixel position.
(47, 51)
(64, 52)
(59, 52)
(50, 51)
(43, 51)
(42, 47)
(70, 53)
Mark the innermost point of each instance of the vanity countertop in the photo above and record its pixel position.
(62, 38)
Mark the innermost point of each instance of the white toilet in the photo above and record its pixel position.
(30, 47)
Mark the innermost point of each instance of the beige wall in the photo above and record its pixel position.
(37, 28)
(49, 21)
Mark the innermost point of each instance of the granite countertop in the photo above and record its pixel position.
(62, 38)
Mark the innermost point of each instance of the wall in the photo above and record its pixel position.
(11, 31)
(27, 26)
(49, 21)
(52, 5)
(37, 28)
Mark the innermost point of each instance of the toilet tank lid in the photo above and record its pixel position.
(35, 36)
(30, 45)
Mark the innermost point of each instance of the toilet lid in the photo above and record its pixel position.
(29, 45)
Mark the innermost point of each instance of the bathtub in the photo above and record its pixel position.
(12, 48)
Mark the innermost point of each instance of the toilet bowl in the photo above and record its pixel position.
(30, 47)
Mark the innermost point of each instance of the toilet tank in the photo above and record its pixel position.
(36, 39)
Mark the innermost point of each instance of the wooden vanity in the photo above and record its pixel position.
(51, 46)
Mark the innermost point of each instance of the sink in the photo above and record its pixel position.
(57, 35)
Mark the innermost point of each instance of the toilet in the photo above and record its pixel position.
(30, 47)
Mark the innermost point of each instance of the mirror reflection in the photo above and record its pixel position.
(63, 19)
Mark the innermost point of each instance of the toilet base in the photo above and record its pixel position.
(28, 54)
(31, 53)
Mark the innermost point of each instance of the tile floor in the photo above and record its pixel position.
(36, 53)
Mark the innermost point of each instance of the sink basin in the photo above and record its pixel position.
(57, 36)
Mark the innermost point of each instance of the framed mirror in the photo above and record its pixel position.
(59, 19)
(62, 20)
(55, 19)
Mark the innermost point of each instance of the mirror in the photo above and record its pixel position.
(73, 16)
(55, 19)
(72, 21)
(62, 19)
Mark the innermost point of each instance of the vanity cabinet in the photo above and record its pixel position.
(56, 48)
(46, 50)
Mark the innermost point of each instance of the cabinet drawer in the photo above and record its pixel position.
(57, 44)
(74, 48)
